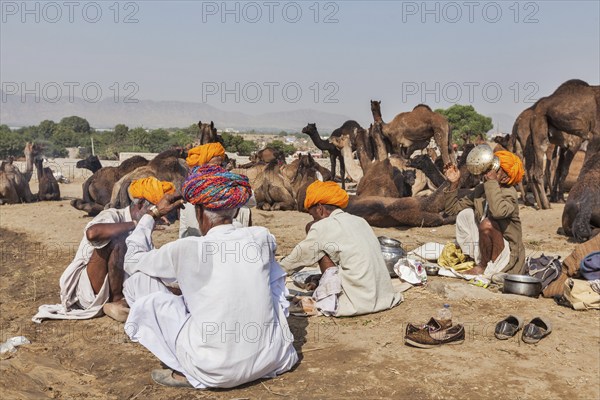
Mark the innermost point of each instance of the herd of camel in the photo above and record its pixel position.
(393, 187)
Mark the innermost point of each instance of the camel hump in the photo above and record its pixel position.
(132, 163)
(423, 105)
(570, 85)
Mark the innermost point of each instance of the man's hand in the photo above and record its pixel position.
(491, 175)
(452, 174)
(168, 203)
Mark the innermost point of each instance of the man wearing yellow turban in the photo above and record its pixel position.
(355, 278)
(204, 154)
(93, 282)
(488, 227)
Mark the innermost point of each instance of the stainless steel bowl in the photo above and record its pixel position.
(482, 159)
(392, 251)
(522, 284)
(431, 269)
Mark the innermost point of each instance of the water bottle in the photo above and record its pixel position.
(445, 315)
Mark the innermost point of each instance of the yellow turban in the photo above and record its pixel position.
(150, 189)
(325, 193)
(512, 165)
(200, 155)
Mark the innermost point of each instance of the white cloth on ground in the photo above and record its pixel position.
(78, 300)
(327, 293)
(234, 290)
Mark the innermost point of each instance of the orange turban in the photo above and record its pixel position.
(200, 155)
(512, 165)
(325, 193)
(150, 189)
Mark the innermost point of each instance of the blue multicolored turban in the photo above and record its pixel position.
(215, 188)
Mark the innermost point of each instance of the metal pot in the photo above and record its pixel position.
(522, 284)
(482, 159)
(392, 251)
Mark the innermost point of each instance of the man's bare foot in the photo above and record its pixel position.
(117, 310)
(474, 271)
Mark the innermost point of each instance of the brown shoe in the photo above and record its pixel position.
(117, 310)
(426, 339)
(433, 325)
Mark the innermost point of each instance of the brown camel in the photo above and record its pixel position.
(413, 130)
(324, 145)
(168, 166)
(581, 216)
(97, 189)
(387, 212)
(273, 190)
(208, 134)
(48, 188)
(306, 173)
(573, 108)
(14, 185)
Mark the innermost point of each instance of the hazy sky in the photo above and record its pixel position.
(499, 56)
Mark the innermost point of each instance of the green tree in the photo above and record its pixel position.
(246, 148)
(46, 129)
(139, 139)
(120, 133)
(287, 149)
(11, 143)
(465, 122)
(76, 124)
(159, 140)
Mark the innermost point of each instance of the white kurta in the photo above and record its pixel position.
(77, 297)
(229, 326)
(351, 244)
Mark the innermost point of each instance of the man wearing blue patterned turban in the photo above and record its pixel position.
(229, 325)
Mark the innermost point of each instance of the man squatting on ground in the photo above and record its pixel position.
(229, 326)
(488, 227)
(355, 279)
(93, 282)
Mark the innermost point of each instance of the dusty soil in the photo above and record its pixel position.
(361, 357)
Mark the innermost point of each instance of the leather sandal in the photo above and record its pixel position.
(536, 330)
(164, 377)
(508, 327)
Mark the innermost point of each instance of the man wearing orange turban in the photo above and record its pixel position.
(93, 282)
(203, 154)
(488, 227)
(355, 278)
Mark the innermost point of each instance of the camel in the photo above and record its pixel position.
(306, 173)
(208, 134)
(91, 162)
(413, 130)
(387, 212)
(168, 166)
(581, 215)
(273, 190)
(334, 152)
(14, 185)
(97, 189)
(47, 183)
(573, 108)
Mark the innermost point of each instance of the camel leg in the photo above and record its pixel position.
(562, 171)
(343, 172)
(441, 139)
(332, 162)
(539, 143)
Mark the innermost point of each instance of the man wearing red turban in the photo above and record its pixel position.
(488, 227)
(355, 278)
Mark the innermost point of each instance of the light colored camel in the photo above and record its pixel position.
(14, 185)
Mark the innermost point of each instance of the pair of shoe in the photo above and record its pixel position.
(537, 329)
(165, 377)
(434, 333)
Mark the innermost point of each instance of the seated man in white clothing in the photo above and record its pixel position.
(213, 154)
(93, 282)
(355, 279)
(229, 325)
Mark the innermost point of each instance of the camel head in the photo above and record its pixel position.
(91, 162)
(376, 107)
(503, 140)
(208, 133)
(310, 129)
(340, 141)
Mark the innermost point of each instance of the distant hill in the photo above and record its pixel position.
(160, 114)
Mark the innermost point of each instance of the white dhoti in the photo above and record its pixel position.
(467, 237)
(155, 319)
(327, 293)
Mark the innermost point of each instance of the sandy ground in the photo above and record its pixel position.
(361, 357)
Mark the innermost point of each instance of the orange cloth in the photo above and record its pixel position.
(325, 193)
(512, 165)
(150, 189)
(200, 155)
